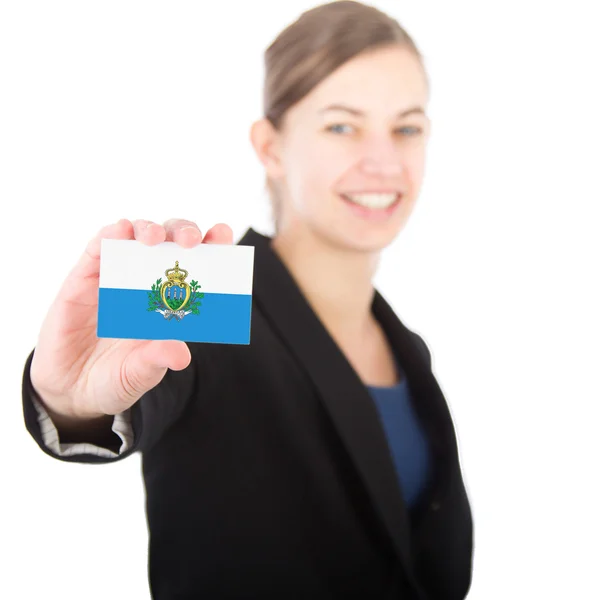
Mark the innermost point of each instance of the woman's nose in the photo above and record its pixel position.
(382, 158)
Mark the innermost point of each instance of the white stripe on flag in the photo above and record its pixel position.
(218, 268)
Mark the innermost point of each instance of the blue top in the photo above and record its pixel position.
(409, 447)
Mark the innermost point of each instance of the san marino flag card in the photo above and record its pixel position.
(167, 292)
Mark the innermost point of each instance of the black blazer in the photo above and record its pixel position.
(268, 475)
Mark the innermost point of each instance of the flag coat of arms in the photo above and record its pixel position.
(166, 292)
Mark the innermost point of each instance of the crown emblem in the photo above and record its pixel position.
(175, 297)
(176, 275)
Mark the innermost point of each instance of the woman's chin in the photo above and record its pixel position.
(360, 240)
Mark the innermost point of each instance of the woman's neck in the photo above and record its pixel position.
(336, 282)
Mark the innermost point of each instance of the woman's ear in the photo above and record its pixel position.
(265, 141)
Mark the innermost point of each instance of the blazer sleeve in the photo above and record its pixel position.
(121, 426)
(138, 428)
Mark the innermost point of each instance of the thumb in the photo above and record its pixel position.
(144, 367)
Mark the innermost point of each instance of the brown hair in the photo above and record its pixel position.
(312, 47)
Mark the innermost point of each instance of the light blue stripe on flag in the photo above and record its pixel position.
(222, 318)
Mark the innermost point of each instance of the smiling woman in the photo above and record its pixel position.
(343, 141)
(317, 459)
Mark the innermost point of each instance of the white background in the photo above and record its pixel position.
(143, 109)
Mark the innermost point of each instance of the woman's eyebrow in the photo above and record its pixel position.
(359, 113)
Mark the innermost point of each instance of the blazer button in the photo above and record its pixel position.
(435, 505)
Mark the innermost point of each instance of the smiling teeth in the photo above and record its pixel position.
(373, 200)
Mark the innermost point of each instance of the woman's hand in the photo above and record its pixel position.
(81, 378)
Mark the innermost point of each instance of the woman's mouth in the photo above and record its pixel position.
(372, 206)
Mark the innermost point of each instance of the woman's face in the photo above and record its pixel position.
(375, 143)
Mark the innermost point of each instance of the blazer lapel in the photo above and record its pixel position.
(343, 394)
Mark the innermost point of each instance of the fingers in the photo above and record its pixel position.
(122, 230)
(183, 232)
(187, 233)
(148, 232)
(219, 234)
(88, 265)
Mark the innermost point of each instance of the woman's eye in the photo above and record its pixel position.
(336, 126)
(416, 130)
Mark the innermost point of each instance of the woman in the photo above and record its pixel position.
(321, 459)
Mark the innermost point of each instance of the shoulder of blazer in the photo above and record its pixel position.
(423, 346)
